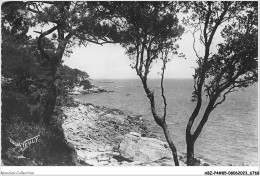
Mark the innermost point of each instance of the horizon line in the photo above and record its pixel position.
(135, 78)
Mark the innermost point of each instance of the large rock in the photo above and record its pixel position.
(143, 149)
(94, 133)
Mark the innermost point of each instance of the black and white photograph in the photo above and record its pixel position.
(129, 87)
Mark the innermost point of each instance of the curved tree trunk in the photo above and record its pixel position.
(161, 122)
(191, 138)
(171, 145)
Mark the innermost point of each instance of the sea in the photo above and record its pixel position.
(230, 137)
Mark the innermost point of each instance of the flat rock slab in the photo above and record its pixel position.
(143, 149)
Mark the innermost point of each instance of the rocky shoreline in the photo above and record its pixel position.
(78, 90)
(102, 136)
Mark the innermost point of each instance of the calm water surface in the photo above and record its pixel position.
(229, 137)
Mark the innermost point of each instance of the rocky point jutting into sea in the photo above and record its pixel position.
(102, 136)
(77, 90)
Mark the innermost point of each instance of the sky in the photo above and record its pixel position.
(110, 62)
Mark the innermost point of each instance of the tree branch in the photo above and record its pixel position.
(224, 96)
(39, 42)
(226, 6)
(162, 87)
(142, 56)
(194, 40)
(32, 10)
(203, 120)
(207, 22)
(228, 82)
(137, 57)
(149, 59)
(150, 96)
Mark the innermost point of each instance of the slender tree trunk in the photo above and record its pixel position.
(50, 106)
(52, 97)
(171, 145)
(190, 150)
(160, 121)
